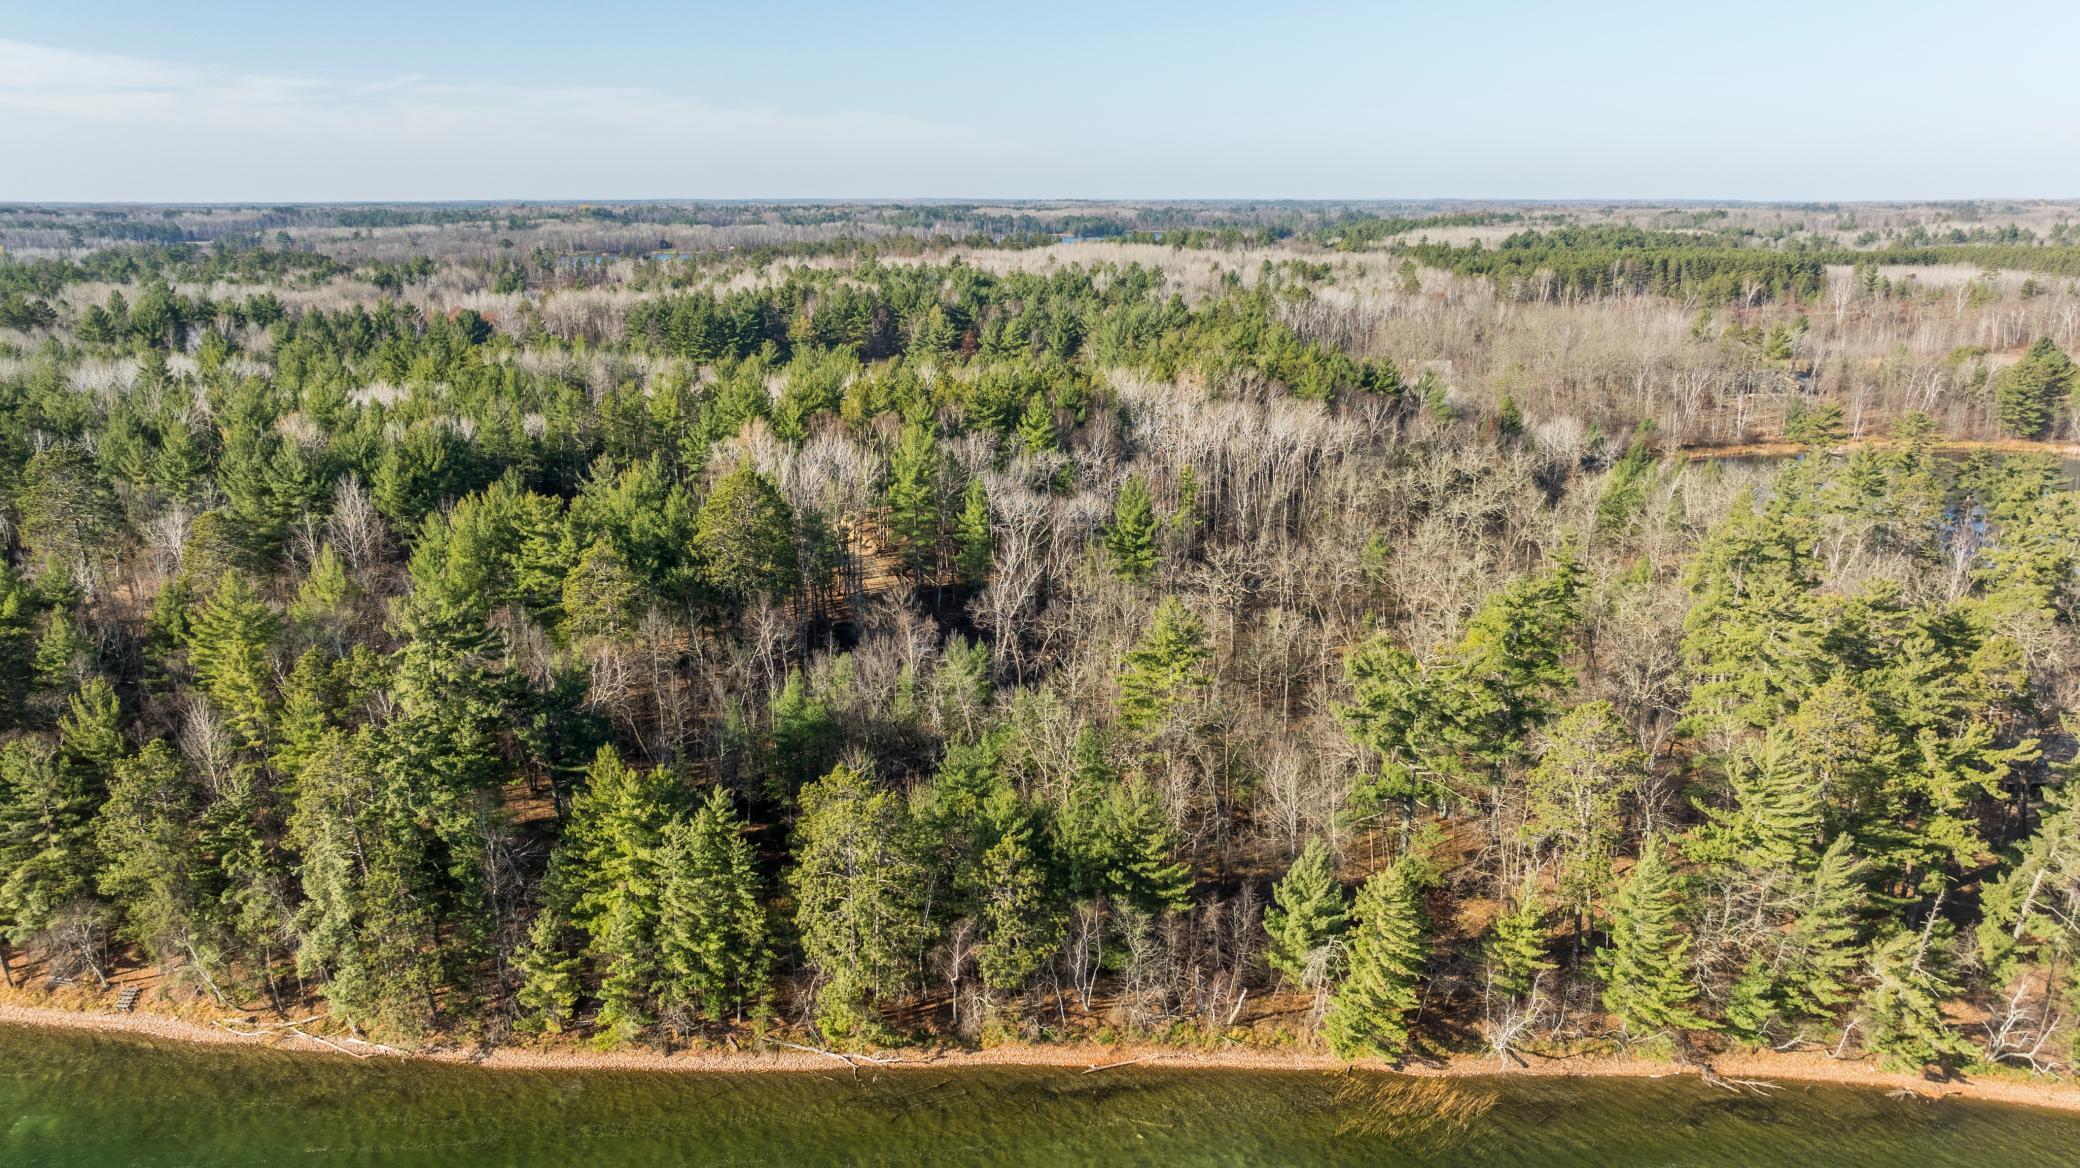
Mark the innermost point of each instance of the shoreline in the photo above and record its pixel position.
(1763, 1066)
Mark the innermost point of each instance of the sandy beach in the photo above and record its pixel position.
(1761, 1066)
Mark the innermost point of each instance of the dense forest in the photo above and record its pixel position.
(1288, 624)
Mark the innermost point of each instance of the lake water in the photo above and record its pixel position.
(71, 1098)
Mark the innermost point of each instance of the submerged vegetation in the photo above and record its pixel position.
(874, 623)
(82, 1101)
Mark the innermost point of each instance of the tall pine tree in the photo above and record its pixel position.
(1647, 983)
(1306, 918)
(857, 888)
(1020, 923)
(1130, 539)
(711, 928)
(974, 541)
(1368, 1014)
(1515, 951)
(1911, 978)
(1165, 669)
(916, 509)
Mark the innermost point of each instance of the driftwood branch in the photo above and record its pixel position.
(850, 1060)
(376, 1046)
(1109, 1066)
(296, 1027)
(319, 1038)
(267, 1029)
(1715, 1079)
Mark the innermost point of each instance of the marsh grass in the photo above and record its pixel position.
(1419, 1116)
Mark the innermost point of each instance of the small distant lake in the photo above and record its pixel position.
(73, 1098)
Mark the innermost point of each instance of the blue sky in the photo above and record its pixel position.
(385, 100)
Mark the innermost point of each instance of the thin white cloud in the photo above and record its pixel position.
(91, 126)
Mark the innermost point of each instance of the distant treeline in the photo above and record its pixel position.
(1355, 232)
(180, 261)
(1606, 261)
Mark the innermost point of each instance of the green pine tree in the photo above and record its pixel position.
(17, 672)
(1753, 640)
(1020, 923)
(1388, 947)
(1911, 978)
(1515, 950)
(1815, 425)
(599, 596)
(548, 966)
(70, 518)
(1306, 918)
(1509, 420)
(154, 868)
(624, 949)
(1821, 944)
(1036, 427)
(2027, 914)
(1625, 490)
(1165, 669)
(962, 687)
(805, 737)
(1456, 719)
(47, 854)
(371, 898)
(1115, 837)
(711, 928)
(180, 463)
(325, 591)
(230, 647)
(64, 656)
(1575, 796)
(1190, 515)
(313, 698)
(974, 542)
(1140, 852)
(616, 822)
(1808, 970)
(933, 335)
(1647, 982)
(745, 534)
(90, 735)
(1753, 1005)
(857, 888)
(916, 508)
(2029, 393)
(1776, 821)
(1130, 538)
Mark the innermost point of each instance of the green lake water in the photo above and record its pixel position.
(70, 1098)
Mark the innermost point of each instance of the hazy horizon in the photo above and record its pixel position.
(242, 103)
(1404, 201)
